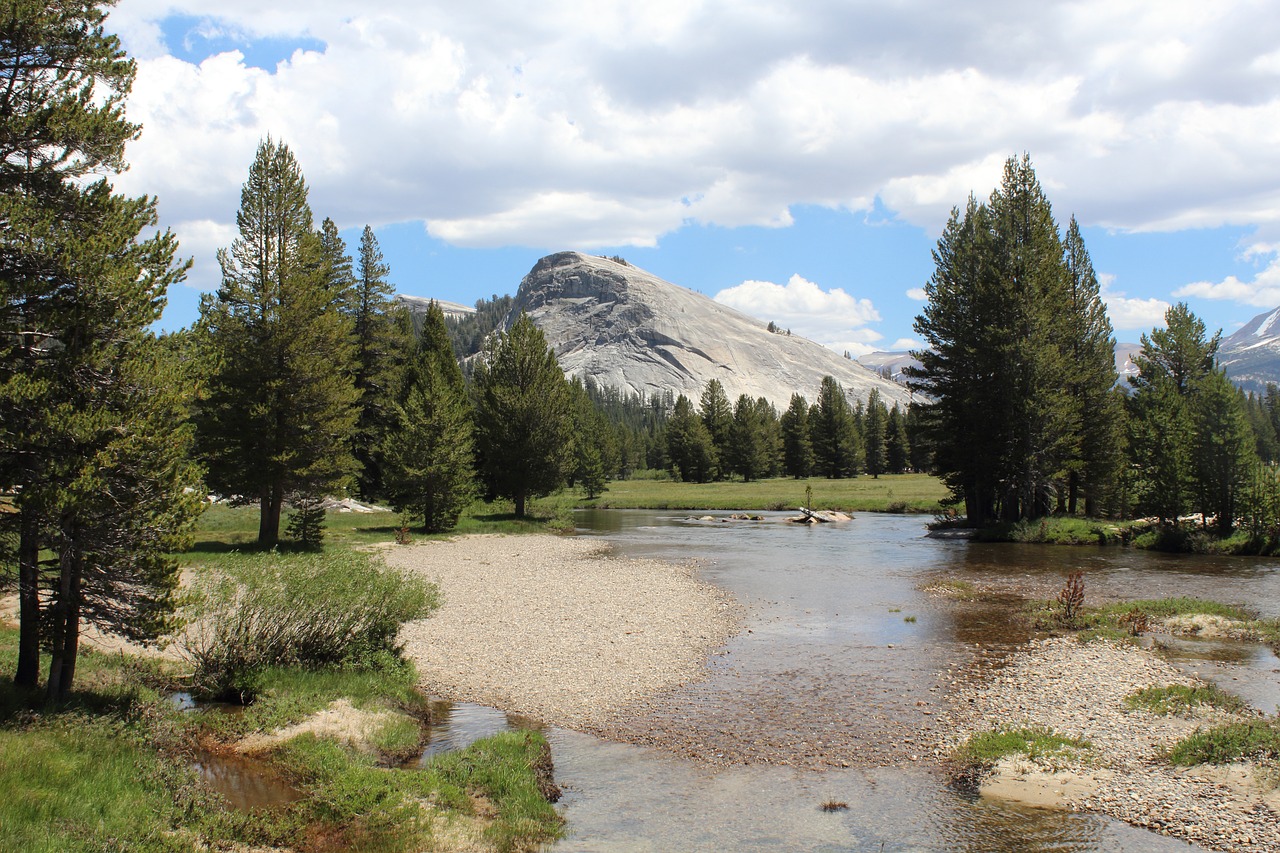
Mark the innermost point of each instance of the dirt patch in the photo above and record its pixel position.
(341, 721)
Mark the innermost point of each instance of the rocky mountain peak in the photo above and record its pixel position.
(1251, 356)
(626, 328)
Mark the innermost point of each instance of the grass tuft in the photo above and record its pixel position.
(1255, 739)
(1043, 745)
(1181, 699)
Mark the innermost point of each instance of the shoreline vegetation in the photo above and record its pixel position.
(333, 730)
(296, 669)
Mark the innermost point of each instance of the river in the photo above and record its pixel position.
(842, 655)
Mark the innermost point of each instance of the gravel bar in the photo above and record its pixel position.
(1078, 690)
(558, 629)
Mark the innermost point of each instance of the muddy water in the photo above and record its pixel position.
(841, 666)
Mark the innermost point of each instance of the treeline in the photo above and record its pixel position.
(751, 440)
(1024, 410)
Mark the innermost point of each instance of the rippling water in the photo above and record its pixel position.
(840, 647)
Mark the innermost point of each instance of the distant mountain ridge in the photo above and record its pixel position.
(1251, 356)
(627, 329)
(893, 364)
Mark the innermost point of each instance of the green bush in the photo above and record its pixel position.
(273, 609)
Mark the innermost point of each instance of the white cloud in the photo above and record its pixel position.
(906, 344)
(1255, 293)
(1131, 315)
(498, 126)
(830, 317)
(917, 294)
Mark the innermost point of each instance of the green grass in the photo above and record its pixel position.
(79, 782)
(1063, 530)
(224, 532)
(888, 493)
(225, 529)
(1114, 621)
(1181, 699)
(1163, 608)
(1256, 739)
(111, 769)
(1038, 744)
(952, 588)
(377, 808)
(291, 694)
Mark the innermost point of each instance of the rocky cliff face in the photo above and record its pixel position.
(627, 329)
(1251, 356)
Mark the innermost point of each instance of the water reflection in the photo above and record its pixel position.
(844, 660)
(457, 725)
(244, 782)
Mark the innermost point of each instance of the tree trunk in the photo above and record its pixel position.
(54, 688)
(70, 633)
(269, 506)
(519, 505)
(28, 672)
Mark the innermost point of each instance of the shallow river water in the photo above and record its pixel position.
(841, 656)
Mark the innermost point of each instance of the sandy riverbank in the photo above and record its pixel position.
(557, 628)
(1079, 690)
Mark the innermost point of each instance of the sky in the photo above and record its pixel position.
(794, 159)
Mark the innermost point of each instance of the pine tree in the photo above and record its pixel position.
(749, 444)
(381, 341)
(837, 451)
(1160, 430)
(797, 447)
(1222, 450)
(770, 437)
(1172, 366)
(428, 454)
(280, 406)
(523, 416)
(94, 444)
(1017, 353)
(897, 447)
(967, 345)
(1045, 425)
(875, 433)
(717, 417)
(1090, 345)
(336, 265)
(690, 453)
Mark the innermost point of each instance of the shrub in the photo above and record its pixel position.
(296, 609)
(306, 522)
(1071, 597)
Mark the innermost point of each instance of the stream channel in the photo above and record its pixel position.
(830, 689)
(828, 670)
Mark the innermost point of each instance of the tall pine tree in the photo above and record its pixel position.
(837, 450)
(280, 405)
(93, 445)
(380, 344)
(797, 447)
(428, 454)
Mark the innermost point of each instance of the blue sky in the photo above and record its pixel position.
(795, 159)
